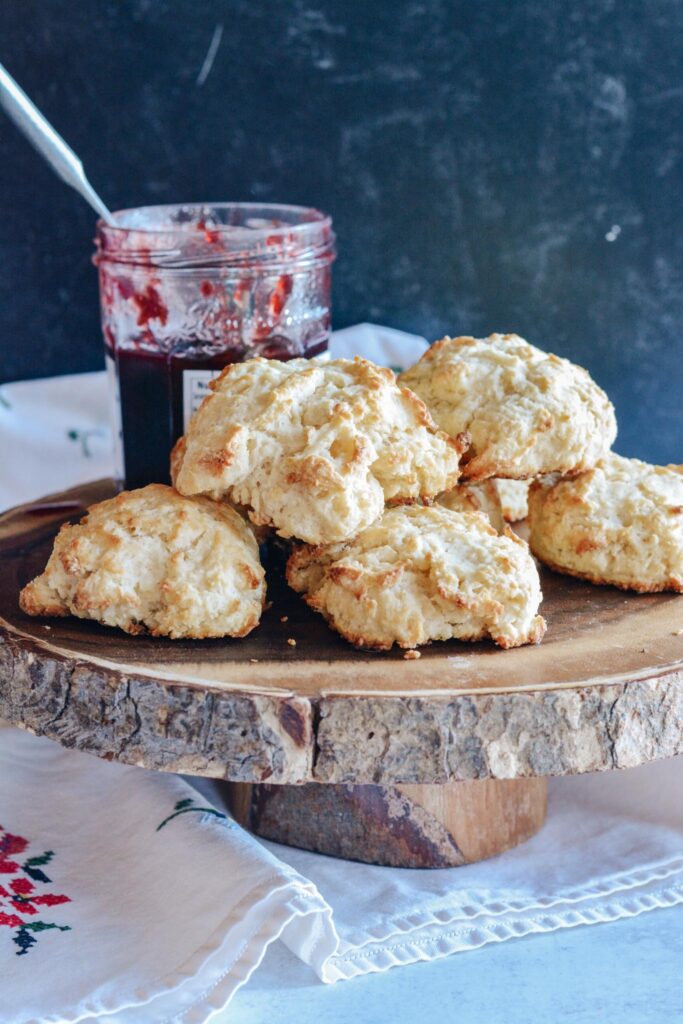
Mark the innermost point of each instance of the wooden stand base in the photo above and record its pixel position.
(410, 826)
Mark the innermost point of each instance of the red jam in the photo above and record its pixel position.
(187, 290)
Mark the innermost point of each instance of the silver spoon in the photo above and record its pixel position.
(48, 142)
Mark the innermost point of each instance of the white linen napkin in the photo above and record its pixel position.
(124, 896)
(128, 897)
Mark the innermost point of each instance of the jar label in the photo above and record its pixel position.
(195, 390)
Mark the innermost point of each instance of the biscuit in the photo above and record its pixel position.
(482, 497)
(152, 561)
(262, 533)
(420, 574)
(618, 524)
(314, 449)
(527, 412)
(514, 499)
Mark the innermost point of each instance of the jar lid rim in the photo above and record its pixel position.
(190, 215)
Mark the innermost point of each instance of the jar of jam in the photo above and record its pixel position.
(186, 290)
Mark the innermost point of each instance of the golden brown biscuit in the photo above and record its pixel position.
(527, 412)
(618, 524)
(262, 533)
(151, 560)
(420, 574)
(314, 449)
(482, 497)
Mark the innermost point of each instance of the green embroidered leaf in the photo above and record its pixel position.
(44, 926)
(184, 807)
(31, 867)
(84, 437)
(44, 858)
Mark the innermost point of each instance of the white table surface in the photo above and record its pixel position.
(629, 972)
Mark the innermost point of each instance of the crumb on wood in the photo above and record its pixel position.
(284, 618)
(412, 655)
(254, 661)
(291, 641)
(677, 632)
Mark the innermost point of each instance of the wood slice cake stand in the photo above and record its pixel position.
(423, 763)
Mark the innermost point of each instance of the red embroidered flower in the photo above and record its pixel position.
(20, 894)
(21, 886)
(10, 844)
(11, 920)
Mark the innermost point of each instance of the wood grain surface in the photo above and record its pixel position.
(409, 826)
(603, 690)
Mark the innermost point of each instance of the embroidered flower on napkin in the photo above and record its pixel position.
(20, 899)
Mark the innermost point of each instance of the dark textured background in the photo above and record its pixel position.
(489, 165)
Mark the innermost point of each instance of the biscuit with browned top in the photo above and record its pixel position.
(420, 574)
(527, 412)
(314, 449)
(619, 524)
(152, 561)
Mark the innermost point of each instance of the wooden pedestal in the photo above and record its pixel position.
(409, 826)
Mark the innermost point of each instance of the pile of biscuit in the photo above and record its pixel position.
(395, 494)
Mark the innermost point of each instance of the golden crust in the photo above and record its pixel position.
(528, 413)
(620, 524)
(420, 574)
(153, 561)
(640, 588)
(314, 449)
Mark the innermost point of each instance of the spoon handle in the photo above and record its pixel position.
(47, 141)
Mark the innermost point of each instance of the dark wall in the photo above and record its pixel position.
(490, 165)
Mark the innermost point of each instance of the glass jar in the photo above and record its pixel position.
(185, 290)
